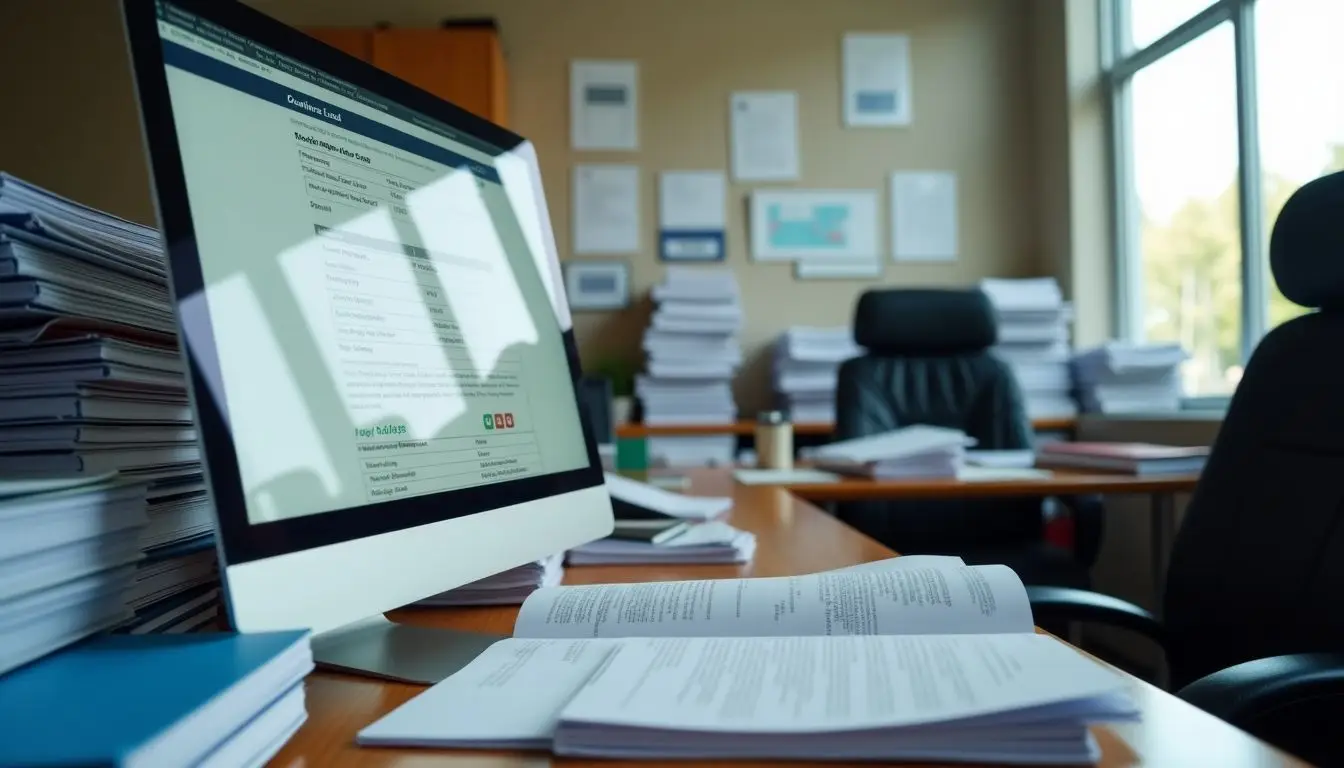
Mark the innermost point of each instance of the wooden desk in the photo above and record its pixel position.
(748, 427)
(793, 537)
(1161, 492)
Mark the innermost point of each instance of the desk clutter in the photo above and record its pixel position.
(693, 351)
(94, 415)
(1129, 378)
(1034, 336)
(806, 363)
(769, 684)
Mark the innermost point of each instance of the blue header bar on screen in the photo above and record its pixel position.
(183, 58)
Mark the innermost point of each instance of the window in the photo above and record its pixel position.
(1220, 110)
(1185, 185)
(1151, 19)
(1300, 77)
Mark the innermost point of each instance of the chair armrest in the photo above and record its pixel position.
(1246, 692)
(1064, 604)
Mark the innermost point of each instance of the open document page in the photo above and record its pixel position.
(929, 596)
(991, 698)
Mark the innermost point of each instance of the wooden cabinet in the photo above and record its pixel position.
(462, 63)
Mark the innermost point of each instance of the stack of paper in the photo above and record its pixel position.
(1130, 378)
(91, 380)
(68, 552)
(712, 542)
(223, 699)
(693, 352)
(509, 587)
(633, 500)
(917, 451)
(807, 361)
(176, 589)
(1034, 340)
(920, 659)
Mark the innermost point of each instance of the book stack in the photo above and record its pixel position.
(1034, 321)
(916, 451)
(204, 700)
(68, 549)
(807, 361)
(921, 659)
(693, 352)
(1130, 378)
(91, 382)
(1144, 459)
(509, 587)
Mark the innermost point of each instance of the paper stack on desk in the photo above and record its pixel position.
(915, 451)
(1034, 324)
(68, 553)
(509, 587)
(807, 361)
(911, 659)
(1130, 378)
(703, 543)
(91, 380)
(693, 352)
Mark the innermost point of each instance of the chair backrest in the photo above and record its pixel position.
(928, 362)
(595, 396)
(1258, 566)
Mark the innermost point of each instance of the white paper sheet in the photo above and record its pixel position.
(924, 216)
(604, 105)
(783, 476)
(846, 685)
(666, 502)
(877, 79)
(692, 215)
(510, 696)
(606, 209)
(817, 225)
(764, 135)
(837, 270)
(935, 597)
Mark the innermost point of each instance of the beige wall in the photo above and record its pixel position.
(973, 83)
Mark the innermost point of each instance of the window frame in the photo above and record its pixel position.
(1120, 63)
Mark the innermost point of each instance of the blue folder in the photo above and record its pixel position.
(112, 700)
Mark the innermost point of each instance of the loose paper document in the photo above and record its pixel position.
(877, 79)
(924, 216)
(604, 104)
(825, 684)
(938, 597)
(784, 476)
(692, 215)
(509, 696)
(606, 209)
(764, 135)
(666, 502)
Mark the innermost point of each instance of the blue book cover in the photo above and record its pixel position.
(99, 702)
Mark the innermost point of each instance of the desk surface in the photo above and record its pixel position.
(793, 537)
(748, 427)
(1061, 482)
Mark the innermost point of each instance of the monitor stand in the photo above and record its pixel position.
(376, 647)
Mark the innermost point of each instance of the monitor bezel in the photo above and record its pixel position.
(240, 540)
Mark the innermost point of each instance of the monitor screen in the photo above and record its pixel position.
(376, 324)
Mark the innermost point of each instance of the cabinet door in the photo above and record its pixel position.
(464, 65)
(356, 41)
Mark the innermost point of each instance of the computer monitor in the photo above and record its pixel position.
(379, 356)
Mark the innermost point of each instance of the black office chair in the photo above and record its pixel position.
(1253, 611)
(928, 362)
